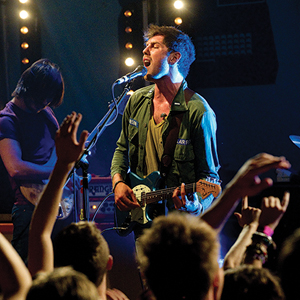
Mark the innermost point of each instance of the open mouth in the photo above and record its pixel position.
(146, 62)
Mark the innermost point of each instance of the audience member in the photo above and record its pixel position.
(258, 225)
(245, 183)
(62, 283)
(178, 256)
(247, 283)
(15, 279)
(181, 251)
(80, 245)
(289, 265)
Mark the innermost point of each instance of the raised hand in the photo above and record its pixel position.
(68, 149)
(247, 182)
(272, 210)
(248, 214)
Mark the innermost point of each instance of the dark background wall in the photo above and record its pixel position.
(256, 115)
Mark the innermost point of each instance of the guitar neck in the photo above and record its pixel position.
(165, 194)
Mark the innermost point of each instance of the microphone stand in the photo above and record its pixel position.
(91, 141)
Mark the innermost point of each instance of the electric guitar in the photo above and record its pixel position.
(33, 193)
(146, 192)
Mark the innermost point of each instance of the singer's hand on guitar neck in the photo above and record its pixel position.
(184, 203)
(124, 197)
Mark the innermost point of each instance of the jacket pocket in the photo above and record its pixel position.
(184, 152)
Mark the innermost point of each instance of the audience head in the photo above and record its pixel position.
(82, 246)
(289, 265)
(247, 282)
(62, 283)
(178, 256)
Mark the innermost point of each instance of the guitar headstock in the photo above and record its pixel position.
(208, 186)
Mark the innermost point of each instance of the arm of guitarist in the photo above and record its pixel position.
(124, 196)
(11, 154)
(68, 149)
(245, 183)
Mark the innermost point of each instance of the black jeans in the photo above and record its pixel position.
(21, 217)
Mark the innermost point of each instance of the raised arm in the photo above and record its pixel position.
(15, 279)
(68, 151)
(245, 183)
(248, 219)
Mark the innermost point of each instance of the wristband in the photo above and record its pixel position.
(117, 184)
(268, 231)
(260, 237)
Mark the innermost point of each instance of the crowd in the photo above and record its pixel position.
(178, 255)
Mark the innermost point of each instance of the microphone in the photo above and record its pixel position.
(139, 71)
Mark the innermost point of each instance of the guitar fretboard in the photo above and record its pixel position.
(205, 188)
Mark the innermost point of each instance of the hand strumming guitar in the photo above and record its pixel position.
(124, 197)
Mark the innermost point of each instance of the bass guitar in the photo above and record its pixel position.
(146, 192)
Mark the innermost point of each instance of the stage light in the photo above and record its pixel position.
(129, 61)
(94, 207)
(178, 4)
(130, 35)
(30, 34)
(23, 14)
(24, 45)
(178, 21)
(128, 46)
(25, 61)
(24, 30)
(128, 13)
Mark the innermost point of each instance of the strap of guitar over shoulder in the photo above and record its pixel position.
(170, 144)
(171, 139)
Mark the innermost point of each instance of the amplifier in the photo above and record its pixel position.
(99, 190)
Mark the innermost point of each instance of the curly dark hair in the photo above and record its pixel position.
(176, 41)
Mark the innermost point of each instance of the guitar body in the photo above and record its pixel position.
(139, 216)
(148, 193)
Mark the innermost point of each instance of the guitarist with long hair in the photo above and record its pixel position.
(27, 149)
(167, 130)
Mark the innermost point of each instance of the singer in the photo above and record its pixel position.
(144, 145)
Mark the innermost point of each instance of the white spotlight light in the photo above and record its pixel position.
(129, 61)
(23, 14)
(178, 4)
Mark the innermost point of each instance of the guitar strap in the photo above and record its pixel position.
(172, 137)
(170, 144)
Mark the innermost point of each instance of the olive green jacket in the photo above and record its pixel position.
(195, 155)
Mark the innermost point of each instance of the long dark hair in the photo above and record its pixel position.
(43, 80)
